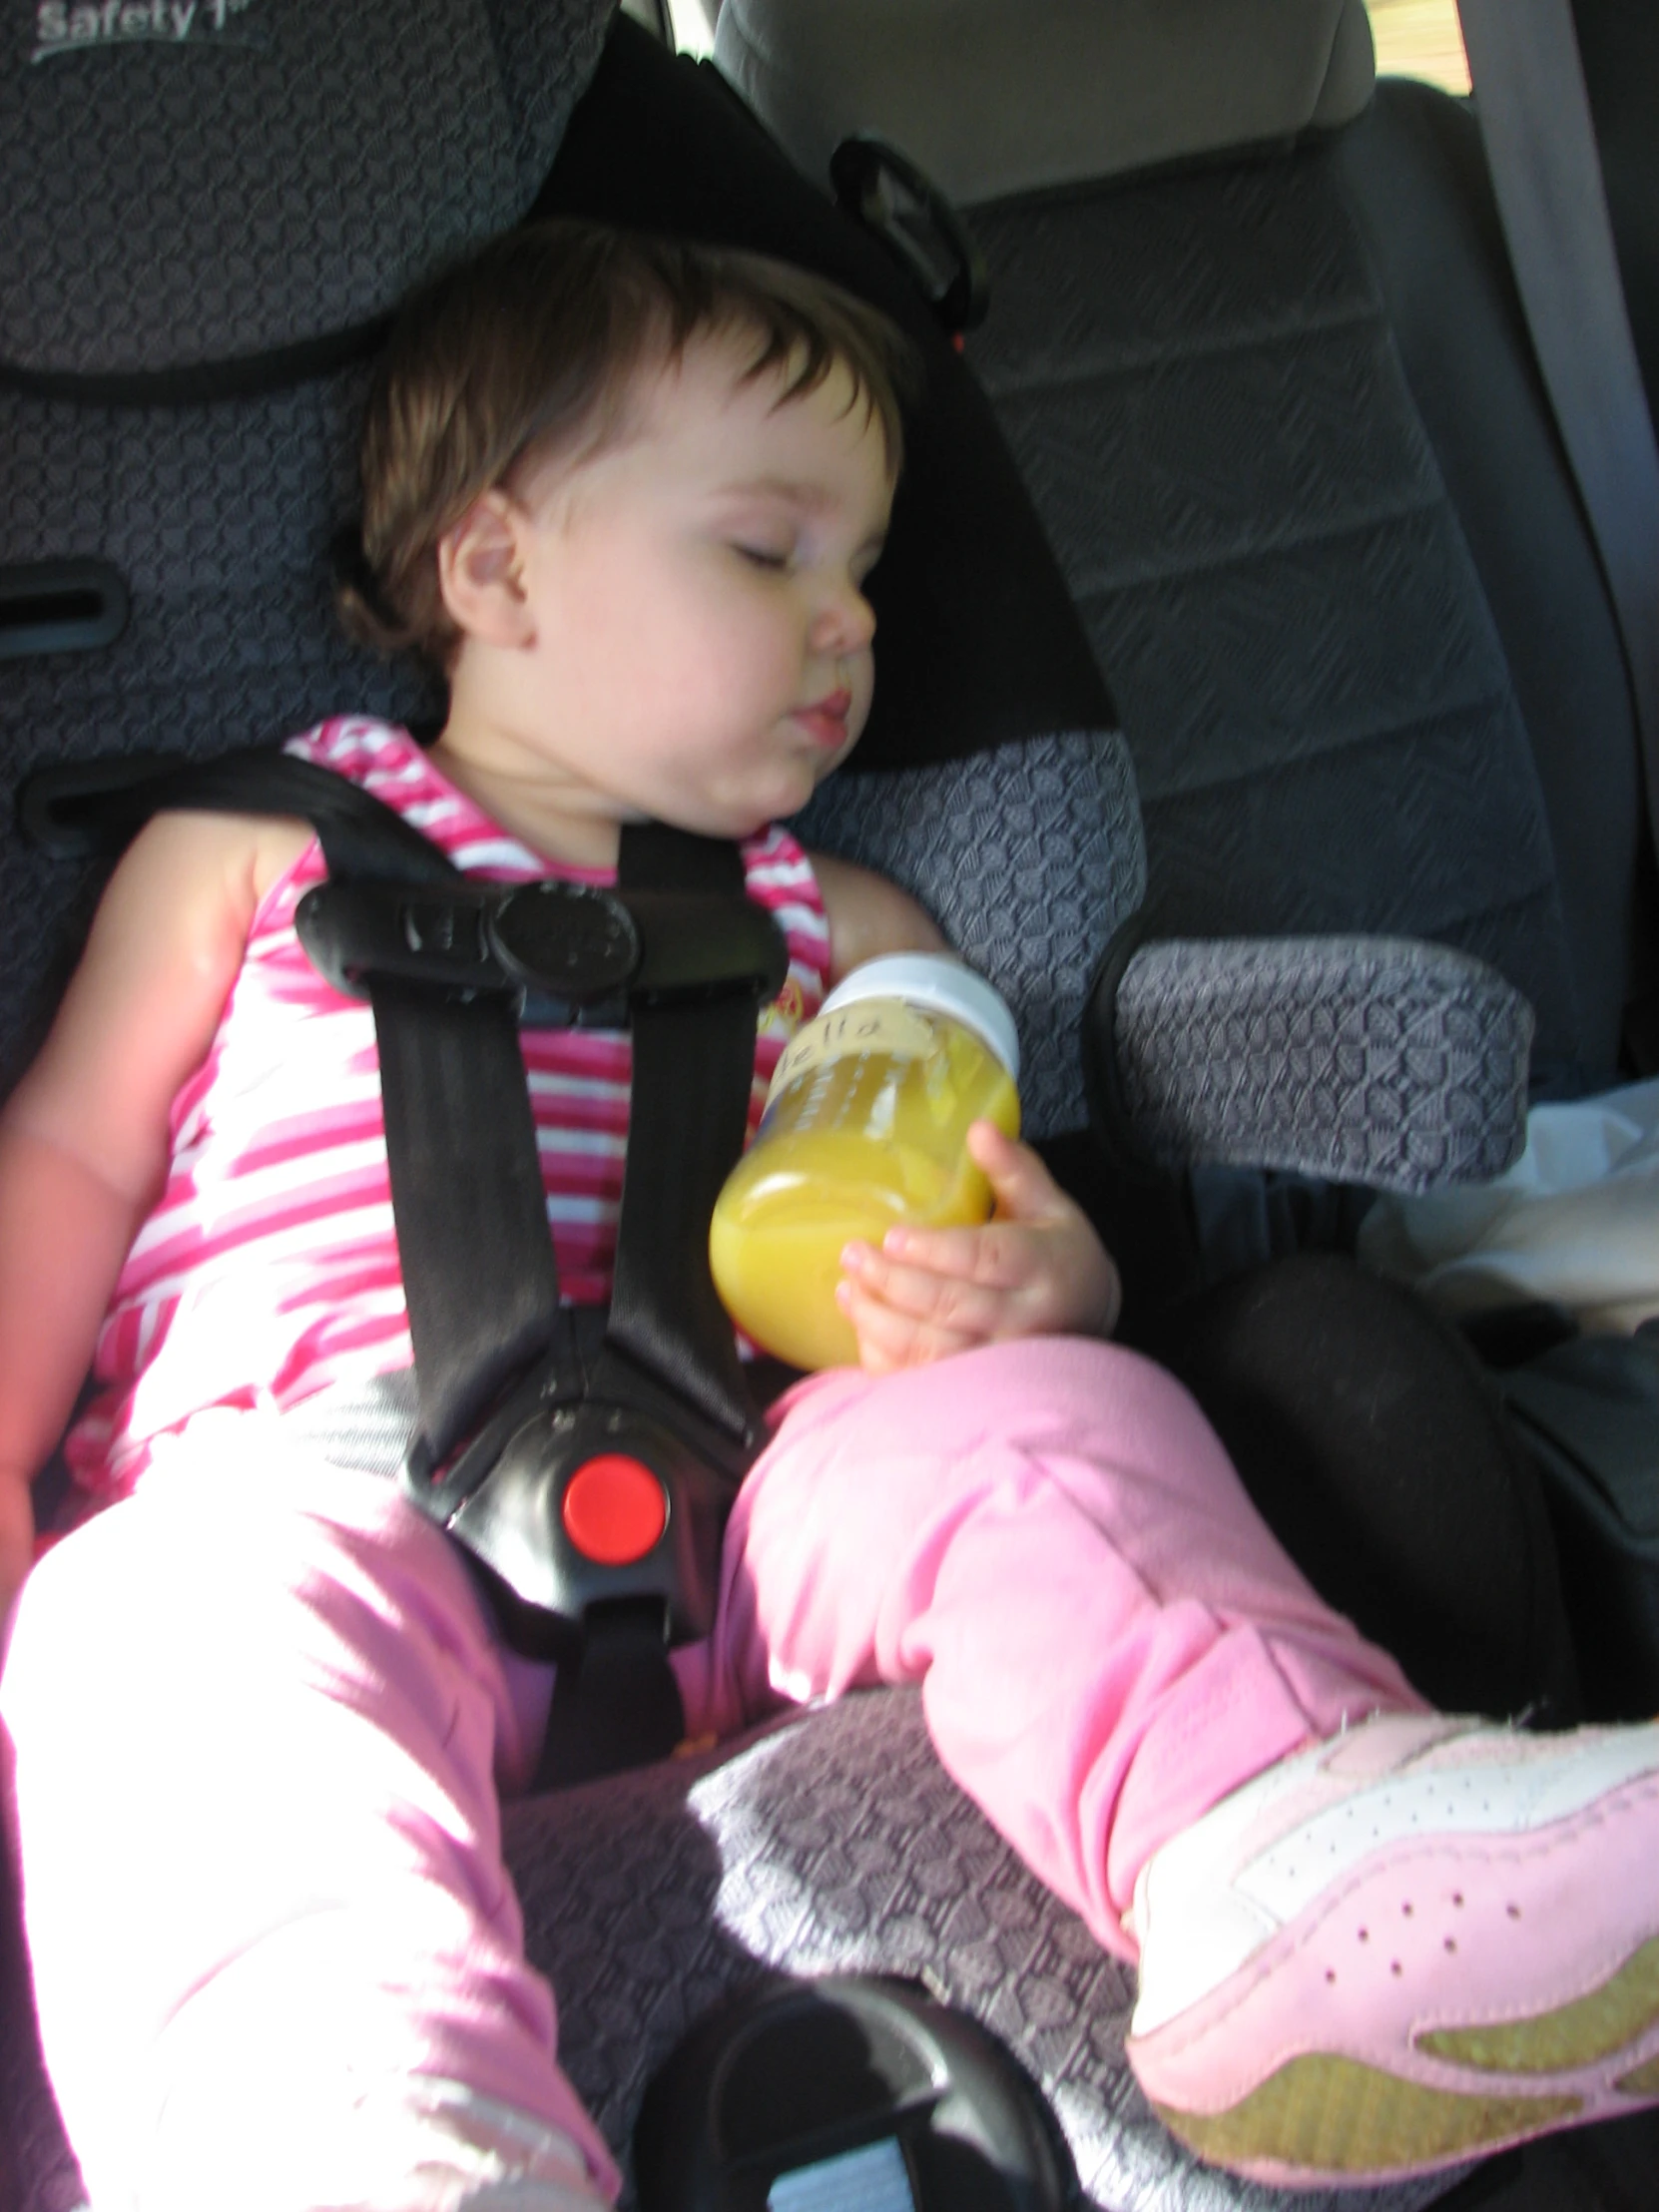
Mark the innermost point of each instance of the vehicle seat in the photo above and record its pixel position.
(1254, 342)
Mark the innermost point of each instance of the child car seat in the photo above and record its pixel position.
(225, 398)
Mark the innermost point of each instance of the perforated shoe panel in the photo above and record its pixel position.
(1198, 378)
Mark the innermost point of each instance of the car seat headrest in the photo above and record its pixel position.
(195, 183)
(997, 97)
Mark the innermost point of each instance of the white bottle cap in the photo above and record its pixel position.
(939, 984)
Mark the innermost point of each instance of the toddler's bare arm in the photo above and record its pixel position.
(84, 1137)
(869, 917)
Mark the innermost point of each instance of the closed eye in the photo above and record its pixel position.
(766, 556)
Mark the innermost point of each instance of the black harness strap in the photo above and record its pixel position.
(467, 1201)
(694, 1065)
(97, 805)
(518, 1397)
(478, 1264)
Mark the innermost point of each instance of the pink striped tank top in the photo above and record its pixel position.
(267, 1269)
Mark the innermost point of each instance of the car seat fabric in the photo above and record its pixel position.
(1413, 171)
(837, 1844)
(1370, 1060)
(1030, 857)
(1388, 1062)
(1541, 156)
(988, 109)
(1619, 49)
(834, 1842)
(1276, 551)
(1196, 368)
(184, 400)
(360, 159)
(219, 517)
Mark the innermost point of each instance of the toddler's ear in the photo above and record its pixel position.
(480, 573)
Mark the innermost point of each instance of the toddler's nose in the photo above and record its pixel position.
(846, 623)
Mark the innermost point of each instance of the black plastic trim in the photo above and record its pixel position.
(76, 606)
(186, 383)
(859, 168)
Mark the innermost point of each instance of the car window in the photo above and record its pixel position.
(694, 25)
(1414, 38)
(685, 23)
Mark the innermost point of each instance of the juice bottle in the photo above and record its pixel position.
(864, 1125)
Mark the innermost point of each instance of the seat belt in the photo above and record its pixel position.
(523, 1404)
(1534, 112)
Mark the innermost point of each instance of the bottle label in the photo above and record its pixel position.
(868, 1026)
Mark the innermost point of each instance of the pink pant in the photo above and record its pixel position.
(260, 1721)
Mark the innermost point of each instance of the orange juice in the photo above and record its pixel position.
(864, 1127)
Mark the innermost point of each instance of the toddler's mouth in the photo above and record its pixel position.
(826, 719)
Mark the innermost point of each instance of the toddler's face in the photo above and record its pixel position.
(701, 649)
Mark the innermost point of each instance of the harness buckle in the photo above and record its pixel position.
(591, 1487)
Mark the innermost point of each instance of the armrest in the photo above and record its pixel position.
(1375, 1060)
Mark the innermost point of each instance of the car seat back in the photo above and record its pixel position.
(1362, 647)
(211, 212)
(177, 423)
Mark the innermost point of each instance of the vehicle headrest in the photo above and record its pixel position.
(997, 97)
(192, 183)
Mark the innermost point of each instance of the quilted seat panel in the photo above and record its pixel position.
(1198, 380)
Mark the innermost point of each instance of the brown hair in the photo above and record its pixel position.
(528, 351)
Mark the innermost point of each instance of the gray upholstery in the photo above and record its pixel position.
(219, 515)
(839, 1843)
(1197, 374)
(1005, 96)
(250, 139)
(220, 519)
(220, 160)
(1370, 1060)
(834, 1842)
(1201, 387)
(1028, 858)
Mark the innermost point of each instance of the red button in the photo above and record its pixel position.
(614, 1510)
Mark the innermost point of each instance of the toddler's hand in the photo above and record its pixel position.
(1036, 1269)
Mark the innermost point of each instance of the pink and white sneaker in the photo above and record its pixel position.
(1412, 1945)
